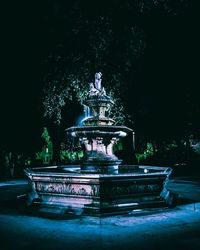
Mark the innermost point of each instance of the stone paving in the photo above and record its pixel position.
(164, 228)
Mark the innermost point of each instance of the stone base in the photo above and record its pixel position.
(100, 167)
(94, 194)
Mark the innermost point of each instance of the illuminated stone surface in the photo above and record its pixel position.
(70, 190)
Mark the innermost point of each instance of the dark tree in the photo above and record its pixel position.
(84, 37)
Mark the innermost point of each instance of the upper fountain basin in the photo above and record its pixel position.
(100, 131)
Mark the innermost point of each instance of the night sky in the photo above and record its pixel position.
(169, 73)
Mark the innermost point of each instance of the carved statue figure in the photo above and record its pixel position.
(96, 89)
(98, 80)
(103, 93)
(93, 91)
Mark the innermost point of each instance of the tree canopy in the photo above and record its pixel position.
(89, 36)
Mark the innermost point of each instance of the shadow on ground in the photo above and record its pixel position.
(159, 228)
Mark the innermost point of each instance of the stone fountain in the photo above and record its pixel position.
(101, 185)
(98, 134)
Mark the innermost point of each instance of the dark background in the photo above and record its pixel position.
(164, 103)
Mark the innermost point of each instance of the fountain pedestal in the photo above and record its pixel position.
(98, 142)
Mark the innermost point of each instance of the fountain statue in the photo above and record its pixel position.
(101, 185)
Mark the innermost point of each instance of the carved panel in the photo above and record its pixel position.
(131, 189)
(64, 188)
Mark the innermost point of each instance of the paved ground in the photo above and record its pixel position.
(151, 229)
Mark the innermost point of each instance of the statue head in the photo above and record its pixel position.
(98, 75)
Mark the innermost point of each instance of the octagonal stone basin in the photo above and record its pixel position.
(67, 189)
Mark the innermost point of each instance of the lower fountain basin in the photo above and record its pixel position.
(68, 189)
